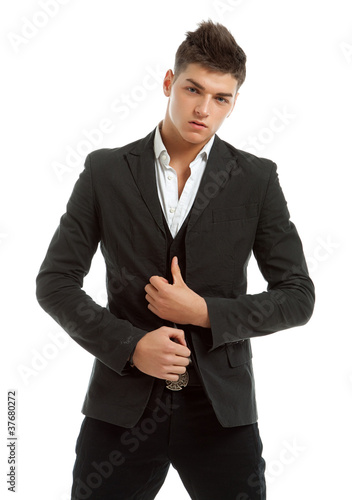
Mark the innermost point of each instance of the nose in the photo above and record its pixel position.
(203, 108)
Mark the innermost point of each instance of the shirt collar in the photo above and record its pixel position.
(162, 155)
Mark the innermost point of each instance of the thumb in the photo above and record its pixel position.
(176, 272)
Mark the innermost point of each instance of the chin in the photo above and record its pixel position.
(196, 137)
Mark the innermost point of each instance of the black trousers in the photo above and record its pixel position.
(178, 428)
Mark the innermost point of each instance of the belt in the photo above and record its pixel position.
(189, 378)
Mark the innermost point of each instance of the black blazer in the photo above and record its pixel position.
(239, 208)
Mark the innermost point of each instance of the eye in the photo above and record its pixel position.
(192, 90)
(222, 100)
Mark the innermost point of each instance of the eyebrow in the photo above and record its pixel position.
(199, 86)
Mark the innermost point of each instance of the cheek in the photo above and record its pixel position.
(216, 119)
(176, 106)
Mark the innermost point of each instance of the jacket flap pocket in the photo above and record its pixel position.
(239, 353)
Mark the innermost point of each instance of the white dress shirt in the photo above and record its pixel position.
(176, 209)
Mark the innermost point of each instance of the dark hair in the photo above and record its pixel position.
(214, 47)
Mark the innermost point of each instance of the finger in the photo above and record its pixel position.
(178, 336)
(150, 290)
(182, 350)
(149, 298)
(148, 287)
(152, 308)
(172, 377)
(157, 282)
(177, 370)
(176, 272)
(181, 361)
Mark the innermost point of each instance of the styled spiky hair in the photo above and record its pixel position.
(212, 46)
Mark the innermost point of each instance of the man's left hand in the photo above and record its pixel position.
(176, 302)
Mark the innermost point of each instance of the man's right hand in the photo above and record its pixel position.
(162, 353)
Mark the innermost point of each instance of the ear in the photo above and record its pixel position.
(167, 83)
(234, 102)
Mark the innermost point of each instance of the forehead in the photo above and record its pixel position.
(211, 81)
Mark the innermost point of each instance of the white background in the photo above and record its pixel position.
(73, 72)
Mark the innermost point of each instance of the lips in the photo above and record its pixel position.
(198, 124)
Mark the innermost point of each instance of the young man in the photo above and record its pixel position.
(177, 215)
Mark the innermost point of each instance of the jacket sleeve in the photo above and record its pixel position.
(60, 281)
(289, 299)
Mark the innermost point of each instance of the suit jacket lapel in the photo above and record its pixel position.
(221, 165)
(142, 165)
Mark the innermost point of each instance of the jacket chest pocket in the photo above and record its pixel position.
(235, 213)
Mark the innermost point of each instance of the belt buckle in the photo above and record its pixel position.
(179, 384)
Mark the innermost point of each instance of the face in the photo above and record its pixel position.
(199, 102)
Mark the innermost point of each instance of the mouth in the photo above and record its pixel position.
(198, 125)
